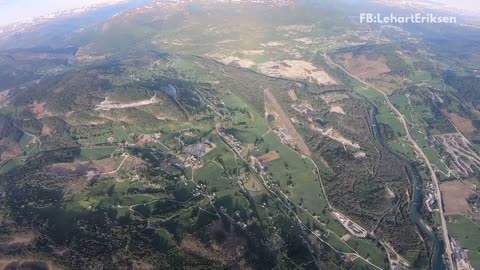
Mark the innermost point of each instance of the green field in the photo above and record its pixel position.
(420, 76)
(387, 117)
(467, 232)
(295, 176)
(368, 249)
(10, 164)
(88, 154)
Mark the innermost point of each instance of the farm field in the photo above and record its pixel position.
(467, 232)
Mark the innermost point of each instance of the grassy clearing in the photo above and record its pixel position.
(401, 146)
(421, 76)
(434, 158)
(130, 200)
(212, 174)
(88, 154)
(368, 92)
(107, 195)
(294, 175)
(11, 164)
(338, 244)
(400, 101)
(360, 264)
(249, 125)
(468, 233)
(387, 117)
(368, 249)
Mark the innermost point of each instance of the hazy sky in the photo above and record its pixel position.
(16, 10)
(464, 4)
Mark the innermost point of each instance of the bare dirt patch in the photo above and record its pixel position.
(306, 41)
(360, 154)
(145, 138)
(253, 52)
(335, 135)
(296, 69)
(40, 110)
(455, 195)
(292, 95)
(21, 238)
(47, 131)
(233, 60)
(89, 58)
(270, 156)
(285, 129)
(227, 41)
(333, 97)
(83, 168)
(346, 237)
(9, 149)
(81, 173)
(26, 263)
(463, 124)
(390, 193)
(337, 109)
(272, 44)
(302, 28)
(365, 68)
(108, 104)
(69, 114)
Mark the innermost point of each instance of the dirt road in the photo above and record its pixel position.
(291, 132)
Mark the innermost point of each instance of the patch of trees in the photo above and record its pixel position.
(468, 87)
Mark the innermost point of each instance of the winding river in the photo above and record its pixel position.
(416, 205)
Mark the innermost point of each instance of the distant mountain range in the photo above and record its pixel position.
(61, 13)
(30, 32)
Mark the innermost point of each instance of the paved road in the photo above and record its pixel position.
(419, 150)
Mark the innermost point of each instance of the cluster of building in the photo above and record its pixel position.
(192, 154)
(352, 227)
(194, 162)
(460, 255)
(232, 141)
(200, 190)
(430, 202)
(237, 220)
(303, 108)
(430, 199)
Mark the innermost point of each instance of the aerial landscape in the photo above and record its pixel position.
(241, 134)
